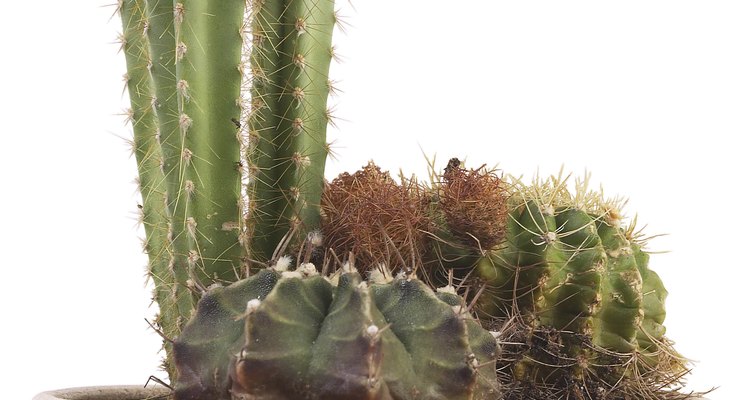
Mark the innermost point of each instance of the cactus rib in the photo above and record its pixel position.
(208, 73)
(174, 298)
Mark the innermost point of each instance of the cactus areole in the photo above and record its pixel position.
(275, 284)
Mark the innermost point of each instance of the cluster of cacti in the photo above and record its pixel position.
(229, 117)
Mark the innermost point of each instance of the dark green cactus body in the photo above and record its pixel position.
(349, 364)
(309, 338)
(279, 337)
(423, 325)
(202, 350)
(482, 343)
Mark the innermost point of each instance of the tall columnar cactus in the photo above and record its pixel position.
(224, 172)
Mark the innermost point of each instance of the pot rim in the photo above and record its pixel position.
(114, 392)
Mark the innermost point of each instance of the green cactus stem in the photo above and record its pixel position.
(161, 53)
(619, 316)
(154, 212)
(550, 273)
(170, 276)
(209, 42)
(654, 307)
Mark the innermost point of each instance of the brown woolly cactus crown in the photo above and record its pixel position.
(379, 220)
(474, 202)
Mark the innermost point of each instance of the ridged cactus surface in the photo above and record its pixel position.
(295, 335)
(289, 60)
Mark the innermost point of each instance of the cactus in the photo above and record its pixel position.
(336, 337)
(224, 177)
(571, 265)
(572, 284)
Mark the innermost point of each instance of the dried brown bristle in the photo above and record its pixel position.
(381, 221)
(598, 376)
(475, 204)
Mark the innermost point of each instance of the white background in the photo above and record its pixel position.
(652, 97)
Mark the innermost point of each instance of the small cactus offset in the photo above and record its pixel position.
(475, 286)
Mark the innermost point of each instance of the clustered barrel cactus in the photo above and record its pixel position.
(581, 310)
(274, 284)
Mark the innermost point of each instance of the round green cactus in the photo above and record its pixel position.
(292, 335)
